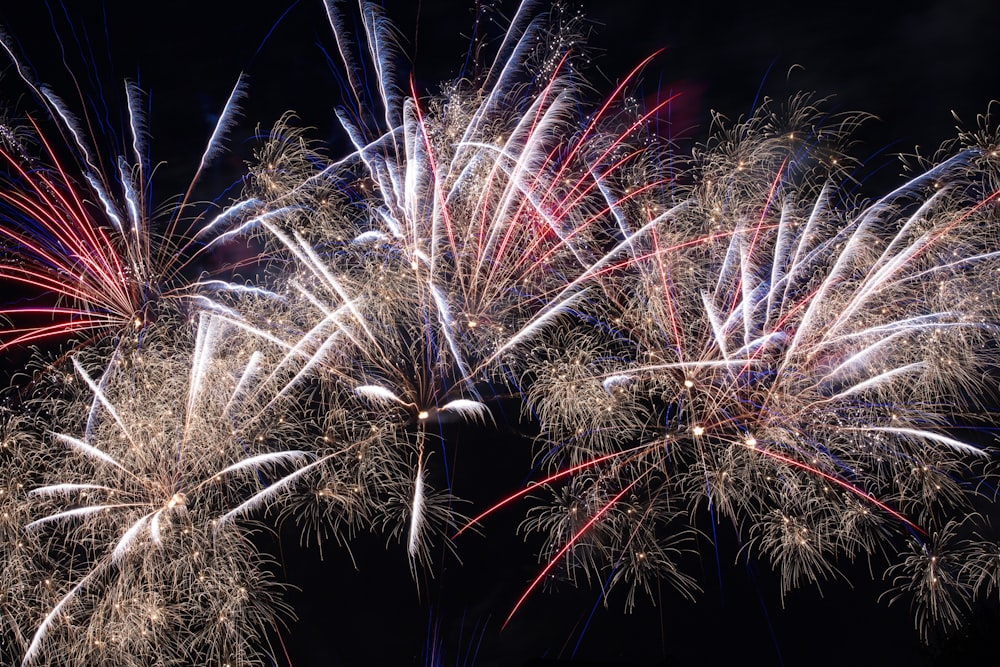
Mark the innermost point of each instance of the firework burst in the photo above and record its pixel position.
(80, 235)
(141, 556)
(730, 339)
(796, 364)
(443, 243)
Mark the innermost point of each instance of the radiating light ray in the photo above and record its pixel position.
(957, 445)
(551, 478)
(100, 397)
(56, 489)
(78, 513)
(416, 512)
(878, 380)
(86, 450)
(566, 547)
(867, 497)
(468, 409)
(43, 628)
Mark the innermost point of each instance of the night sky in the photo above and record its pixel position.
(909, 67)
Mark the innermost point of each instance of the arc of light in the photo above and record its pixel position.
(718, 328)
(861, 355)
(82, 242)
(444, 317)
(203, 350)
(600, 113)
(667, 293)
(917, 322)
(89, 450)
(212, 148)
(29, 334)
(438, 198)
(468, 409)
(523, 29)
(541, 109)
(950, 265)
(566, 547)
(599, 266)
(43, 628)
(55, 489)
(304, 252)
(564, 240)
(99, 395)
(910, 253)
(876, 380)
(614, 144)
(110, 260)
(520, 19)
(57, 284)
(844, 485)
(380, 48)
(248, 372)
(927, 435)
(416, 511)
(261, 219)
(532, 199)
(75, 514)
(340, 36)
(779, 255)
(551, 478)
(298, 351)
(775, 184)
(255, 462)
(379, 394)
(518, 192)
(832, 278)
(516, 183)
(268, 491)
(538, 321)
(228, 212)
(129, 537)
(800, 263)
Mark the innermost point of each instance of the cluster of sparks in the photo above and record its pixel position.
(723, 340)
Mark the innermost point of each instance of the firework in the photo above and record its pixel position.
(140, 555)
(742, 338)
(799, 368)
(723, 341)
(459, 228)
(80, 236)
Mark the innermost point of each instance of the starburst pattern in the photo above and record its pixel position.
(81, 239)
(728, 341)
(795, 362)
(140, 481)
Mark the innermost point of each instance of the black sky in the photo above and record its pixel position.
(910, 64)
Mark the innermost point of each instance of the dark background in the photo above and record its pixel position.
(910, 64)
